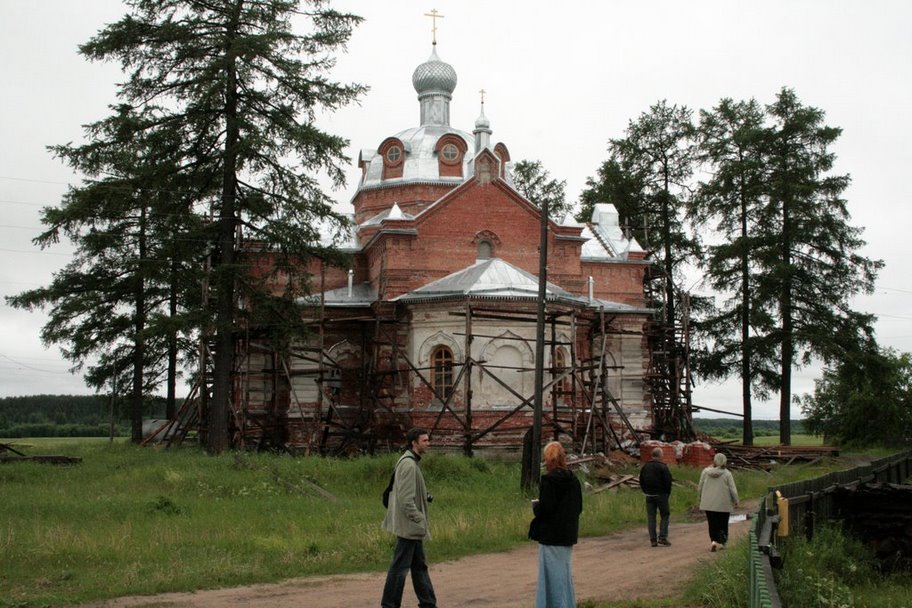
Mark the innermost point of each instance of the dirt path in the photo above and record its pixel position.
(611, 567)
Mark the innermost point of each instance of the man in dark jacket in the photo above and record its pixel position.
(655, 481)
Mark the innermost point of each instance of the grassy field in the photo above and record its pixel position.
(131, 520)
(797, 440)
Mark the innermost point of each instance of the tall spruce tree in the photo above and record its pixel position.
(805, 249)
(731, 140)
(131, 258)
(239, 88)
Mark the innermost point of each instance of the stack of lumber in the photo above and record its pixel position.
(617, 481)
(9, 454)
(763, 457)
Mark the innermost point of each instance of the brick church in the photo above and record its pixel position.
(434, 322)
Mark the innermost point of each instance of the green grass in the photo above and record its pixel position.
(721, 583)
(797, 440)
(834, 570)
(131, 520)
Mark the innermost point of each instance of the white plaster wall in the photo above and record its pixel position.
(498, 348)
(626, 384)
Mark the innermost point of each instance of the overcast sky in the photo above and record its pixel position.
(561, 79)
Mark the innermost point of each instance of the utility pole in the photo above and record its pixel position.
(533, 458)
(113, 396)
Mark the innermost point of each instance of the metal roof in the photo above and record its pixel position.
(420, 157)
(606, 240)
(361, 294)
(496, 279)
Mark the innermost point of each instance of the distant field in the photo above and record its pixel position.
(810, 440)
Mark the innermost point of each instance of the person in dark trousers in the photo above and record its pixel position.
(718, 498)
(655, 481)
(407, 518)
(557, 511)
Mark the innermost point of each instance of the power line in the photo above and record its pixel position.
(9, 202)
(894, 289)
(36, 252)
(20, 365)
(34, 181)
(26, 357)
(905, 318)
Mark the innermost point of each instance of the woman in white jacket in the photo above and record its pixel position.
(718, 498)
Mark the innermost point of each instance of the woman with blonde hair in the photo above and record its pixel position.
(556, 527)
(718, 498)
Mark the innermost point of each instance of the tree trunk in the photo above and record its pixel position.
(171, 398)
(220, 407)
(139, 341)
(787, 343)
(670, 320)
(747, 434)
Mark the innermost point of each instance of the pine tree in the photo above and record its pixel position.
(806, 250)
(731, 139)
(657, 155)
(616, 187)
(534, 182)
(129, 234)
(648, 179)
(236, 91)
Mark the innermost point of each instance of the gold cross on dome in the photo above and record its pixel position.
(434, 15)
(482, 91)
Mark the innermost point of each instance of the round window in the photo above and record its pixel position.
(450, 152)
(393, 154)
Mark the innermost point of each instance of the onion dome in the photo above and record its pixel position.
(482, 121)
(434, 77)
(482, 131)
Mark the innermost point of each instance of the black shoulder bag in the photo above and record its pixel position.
(389, 486)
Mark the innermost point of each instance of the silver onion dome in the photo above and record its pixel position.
(482, 121)
(434, 76)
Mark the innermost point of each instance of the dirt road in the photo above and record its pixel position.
(611, 567)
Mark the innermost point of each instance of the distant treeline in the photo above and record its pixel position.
(65, 415)
(90, 416)
(725, 428)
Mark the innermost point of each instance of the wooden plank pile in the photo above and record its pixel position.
(601, 471)
(765, 457)
(9, 454)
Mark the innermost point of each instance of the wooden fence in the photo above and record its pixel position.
(796, 508)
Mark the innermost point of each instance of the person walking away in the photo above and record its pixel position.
(718, 498)
(655, 481)
(557, 511)
(407, 518)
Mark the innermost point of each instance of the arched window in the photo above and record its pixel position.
(485, 250)
(504, 155)
(442, 369)
(563, 389)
